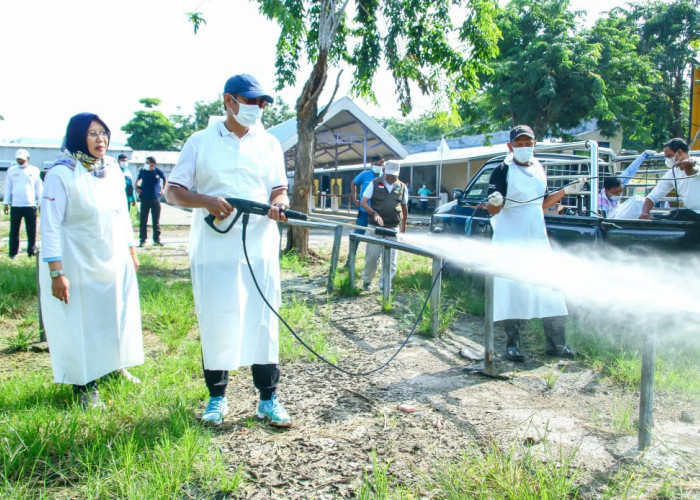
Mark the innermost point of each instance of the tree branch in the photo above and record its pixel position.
(330, 101)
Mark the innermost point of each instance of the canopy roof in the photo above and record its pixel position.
(347, 136)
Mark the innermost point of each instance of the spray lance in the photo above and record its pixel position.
(253, 207)
(246, 207)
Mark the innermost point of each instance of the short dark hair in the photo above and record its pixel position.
(677, 143)
(611, 182)
(377, 158)
(150, 159)
(122, 157)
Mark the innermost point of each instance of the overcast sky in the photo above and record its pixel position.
(64, 57)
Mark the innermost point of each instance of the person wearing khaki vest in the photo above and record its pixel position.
(386, 201)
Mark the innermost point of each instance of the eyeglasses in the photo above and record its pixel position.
(92, 134)
(254, 101)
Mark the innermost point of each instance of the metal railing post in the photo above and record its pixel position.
(337, 236)
(646, 397)
(42, 332)
(489, 367)
(386, 273)
(435, 297)
(352, 253)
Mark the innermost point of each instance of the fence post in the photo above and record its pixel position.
(352, 252)
(337, 235)
(489, 368)
(435, 297)
(386, 273)
(646, 397)
(42, 332)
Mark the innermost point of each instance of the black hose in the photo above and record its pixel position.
(246, 217)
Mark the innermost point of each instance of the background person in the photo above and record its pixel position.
(386, 202)
(362, 180)
(235, 158)
(424, 192)
(150, 184)
(520, 223)
(129, 181)
(681, 177)
(23, 188)
(610, 196)
(89, 293)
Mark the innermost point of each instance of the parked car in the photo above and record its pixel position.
(572, 221)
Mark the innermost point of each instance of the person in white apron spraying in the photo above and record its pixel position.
(235, 158)
(519, 221)
(89, 293)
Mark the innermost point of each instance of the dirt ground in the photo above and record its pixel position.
(425, 408)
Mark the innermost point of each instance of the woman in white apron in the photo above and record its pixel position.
(519, 222)
(89, 294)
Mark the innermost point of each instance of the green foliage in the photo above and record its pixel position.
(545, 72)
(150, 130)
(302, 317)
(667, 31)
(277, 113)
(429, 126)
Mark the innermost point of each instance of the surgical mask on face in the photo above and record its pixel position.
(669, 162)
(376, 169)
(523, 155)
(123, 164)
(248, 114)
(616, 198)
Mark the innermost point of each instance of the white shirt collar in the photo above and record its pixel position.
(224, 131)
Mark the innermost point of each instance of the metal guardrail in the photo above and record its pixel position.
(338, 234)
(388, 245)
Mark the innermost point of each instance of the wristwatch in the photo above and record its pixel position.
(56, 273)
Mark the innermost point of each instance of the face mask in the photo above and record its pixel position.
(669, 162)
(123, 164)
(616, 198)
(523, 155)
(248, 114)
(376, 169)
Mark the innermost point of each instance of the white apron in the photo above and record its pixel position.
(523, 224)
(99, 331)
(236, 326)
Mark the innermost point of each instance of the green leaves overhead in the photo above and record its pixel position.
(415, 40)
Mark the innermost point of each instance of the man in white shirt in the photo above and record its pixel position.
(23, 189)
(235, 158)
(682, 177)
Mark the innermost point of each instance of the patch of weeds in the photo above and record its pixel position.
(341, 285)
(292, 262)
(300, 315)
(22, 339)
(378, 485)
(388, 305)
(622, 418)
(551, 377)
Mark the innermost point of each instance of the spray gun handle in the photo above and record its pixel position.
(249, 207)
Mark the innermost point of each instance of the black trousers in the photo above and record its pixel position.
(265, 378)
(154, 206)
(554, 329)
(16, 216)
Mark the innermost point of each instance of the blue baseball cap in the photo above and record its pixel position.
(247, 86)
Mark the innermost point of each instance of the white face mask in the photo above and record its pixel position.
(616, 198)
(523, 155)
(123, 164)
(376, 169)
(669, 162)
(248, 114)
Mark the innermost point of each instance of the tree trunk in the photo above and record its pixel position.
(307, 119)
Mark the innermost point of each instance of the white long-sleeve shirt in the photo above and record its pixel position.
(688, 188)
(23, 186)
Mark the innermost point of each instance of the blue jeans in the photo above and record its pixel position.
(362, 220)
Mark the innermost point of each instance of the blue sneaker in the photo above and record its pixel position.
(273, 411)
(216, 409)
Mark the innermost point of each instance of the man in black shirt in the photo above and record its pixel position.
(150, 189)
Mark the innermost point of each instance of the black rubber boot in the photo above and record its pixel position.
(513, 341)
(555, 333)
